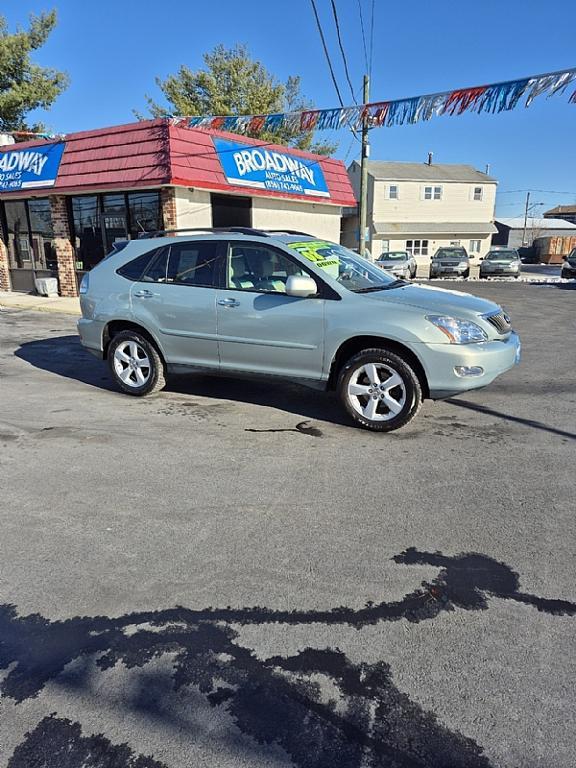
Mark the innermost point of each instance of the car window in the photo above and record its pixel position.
(255, 267)
(501, 256)
(394, 256)
(194, 263)
(134, 269)
(156, 270)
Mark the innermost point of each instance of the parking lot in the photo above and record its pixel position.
(229, 574)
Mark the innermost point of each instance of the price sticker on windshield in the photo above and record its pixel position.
(321, 254)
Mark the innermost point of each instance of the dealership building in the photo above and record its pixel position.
(63, 203)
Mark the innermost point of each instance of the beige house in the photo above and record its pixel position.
(419, 207)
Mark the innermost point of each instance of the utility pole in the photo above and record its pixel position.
(362, 206)
(525, 218)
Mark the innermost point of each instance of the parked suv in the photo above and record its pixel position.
(450, 262)
(289, 306)
(569, 266)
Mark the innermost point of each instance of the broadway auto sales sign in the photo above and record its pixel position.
(247, 165)
(31, 167)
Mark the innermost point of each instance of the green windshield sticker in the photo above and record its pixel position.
(312, 250)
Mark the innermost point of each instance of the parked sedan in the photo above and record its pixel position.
(450, 262)
(399, 263)
(500, 262)
(569, 266)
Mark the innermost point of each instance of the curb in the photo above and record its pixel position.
(41, 308)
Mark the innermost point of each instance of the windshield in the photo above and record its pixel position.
(348, 268)
(394, 256)
(451, 253)
(501, 256)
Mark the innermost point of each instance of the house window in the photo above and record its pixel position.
(475, 246)
(393, 192)
(417, 247)
(432, 193)
(478, 193)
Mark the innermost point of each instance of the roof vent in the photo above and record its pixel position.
(430, 156)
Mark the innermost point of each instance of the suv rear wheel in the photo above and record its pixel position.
(135, 364)
(379, 390)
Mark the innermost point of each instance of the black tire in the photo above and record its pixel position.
(466, 274)
(395, 363)
(155, 378)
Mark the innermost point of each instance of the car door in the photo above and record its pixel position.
(176, 300)
(261, 329)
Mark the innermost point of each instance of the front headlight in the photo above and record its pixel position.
(458, 331)
(463, 264)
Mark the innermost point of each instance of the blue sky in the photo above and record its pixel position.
(112, 52)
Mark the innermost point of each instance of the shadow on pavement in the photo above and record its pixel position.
(65, 356)
(508, 417)
(323, 710)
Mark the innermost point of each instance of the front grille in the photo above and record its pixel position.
(453, 264)
(500, 321)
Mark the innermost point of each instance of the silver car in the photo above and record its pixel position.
(292, 307)
(399, 263)
(500, 262)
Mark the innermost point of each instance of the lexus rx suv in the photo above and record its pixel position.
(288, 306)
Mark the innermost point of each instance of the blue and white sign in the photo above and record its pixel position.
(31, 167)
(247, 165)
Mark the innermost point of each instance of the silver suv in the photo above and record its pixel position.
(289, 305)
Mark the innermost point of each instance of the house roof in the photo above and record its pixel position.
(560, 209)
(535, 223)
(395, 171)
(156, 152)
(434, 228)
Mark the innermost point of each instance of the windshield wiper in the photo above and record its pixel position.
(386, 287)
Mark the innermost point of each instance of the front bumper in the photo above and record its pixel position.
(499, 272)
(451, 271)
(441, 360)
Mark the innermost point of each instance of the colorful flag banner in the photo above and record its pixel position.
(497, 97)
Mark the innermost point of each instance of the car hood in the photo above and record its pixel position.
(436, 300)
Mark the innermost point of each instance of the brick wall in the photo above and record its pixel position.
(168, 202)
(63, 247)
(4, 268)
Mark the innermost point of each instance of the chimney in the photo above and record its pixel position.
(430, 154)
(487, 171)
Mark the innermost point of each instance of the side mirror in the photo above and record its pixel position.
(481, 258)
(301, 285)
(565, 257)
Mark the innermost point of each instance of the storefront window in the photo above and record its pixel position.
(42, 234)
(101, 220)
(19, 251)
(144, 210)
(87, 231)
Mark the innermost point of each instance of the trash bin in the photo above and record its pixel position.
(46, 286)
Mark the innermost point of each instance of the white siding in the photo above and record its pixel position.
(457, 203)
(193, 208)
(314, 218)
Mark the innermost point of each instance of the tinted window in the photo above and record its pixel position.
(194, 263)
(133, 269)
(156, 271)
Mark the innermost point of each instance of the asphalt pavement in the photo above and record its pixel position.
(229, 574)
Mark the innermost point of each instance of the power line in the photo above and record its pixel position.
(326, 51)
(335, 12)
(542, 191)
(363, 35)
(371, 40)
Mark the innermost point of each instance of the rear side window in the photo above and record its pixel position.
(134, 269)
(194, 263)
(157, 269)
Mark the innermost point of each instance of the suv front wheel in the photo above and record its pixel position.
(135, 364)
(379, 390)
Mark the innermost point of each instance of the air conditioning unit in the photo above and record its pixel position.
(46, 286)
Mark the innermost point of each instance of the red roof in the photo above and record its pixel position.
(155, 152)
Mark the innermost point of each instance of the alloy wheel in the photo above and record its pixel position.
(376, 391)
(132, 364)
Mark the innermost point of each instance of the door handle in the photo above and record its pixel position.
(143, 294)
(229, 303)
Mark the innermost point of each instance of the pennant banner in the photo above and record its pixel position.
(498, 97)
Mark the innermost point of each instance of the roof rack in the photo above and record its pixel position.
(287, 232)
(236, 230)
